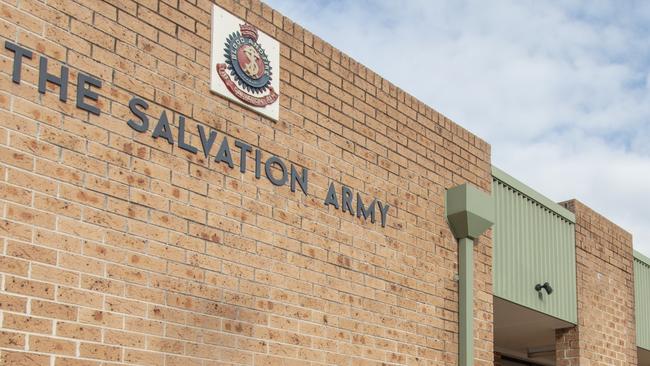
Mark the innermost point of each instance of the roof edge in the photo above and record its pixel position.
(641, 258)
(532, 194)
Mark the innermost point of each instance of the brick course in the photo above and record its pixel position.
(120, 249)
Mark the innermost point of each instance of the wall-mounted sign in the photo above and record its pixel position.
(245, 64)
(177, 133)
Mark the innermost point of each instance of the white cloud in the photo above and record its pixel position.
(560, 90)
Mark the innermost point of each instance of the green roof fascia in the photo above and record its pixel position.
(532, 194)
(641, 258)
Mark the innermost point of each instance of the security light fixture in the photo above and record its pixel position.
(546, 286)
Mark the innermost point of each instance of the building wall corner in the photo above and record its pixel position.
(606, 332)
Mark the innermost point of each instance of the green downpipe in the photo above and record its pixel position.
(466, 301)
(470, 212)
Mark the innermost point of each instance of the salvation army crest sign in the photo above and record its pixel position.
(249, 67)
(245, 64)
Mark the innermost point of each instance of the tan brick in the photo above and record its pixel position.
(147, 231)
(127, 274)
(54, 275)
(43, 46)
(105, 8)
(57, 241)
(82, 196)
(190, 183)
(165, 345)
(112, 156)
(27, 323)
(18, 123)
(126, 339)
(109, 26)
(63, 139)
(21, 18)
(123, 240)
(79, 229)
(23, 359)
(144, 357)
(81, 263)
(12, 340)
(57, 206)
(65, 361)
(178, 360)
(156, 20)
(51, 345)
(58, 172)
(15, 194)
(31, 252)
(15, 266)
(84, 162)
(150, 200)
(30, 216)
(99, 317)
(185, 271)
(186, 242)
(91, 34)
(13, 303)
(79, 297)
(32, 182)
(30, 288)
(78, 331)
(144, 326)
(168, 221)
(167, 252)
(16, 158)
(80, 12)
(133, 23)
(53, 310)
(66, 39)
(127, 209)
(101, 352)
(102, 285)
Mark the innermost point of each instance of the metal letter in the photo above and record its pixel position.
(346, 199)
(383, 209)
(181, 137)
(144, 126)
(244, 148)
(224, 155)
(302, 181)
(269, 172)
(258, 163)
(44, 77)
(83, 92)
(206, 143)
(331, 198)
(162, 129)
(19, 53)
(361, 210)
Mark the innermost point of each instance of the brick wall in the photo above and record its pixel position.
(121, 249)
(605, 335)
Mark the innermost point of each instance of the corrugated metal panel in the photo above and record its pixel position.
(533, 243)
(642, 294)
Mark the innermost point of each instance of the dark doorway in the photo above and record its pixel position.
(509, 361)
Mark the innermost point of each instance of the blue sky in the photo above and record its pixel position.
(561, 90)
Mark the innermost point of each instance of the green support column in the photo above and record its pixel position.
(470, 212)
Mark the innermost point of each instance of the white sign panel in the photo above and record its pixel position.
(245, 64)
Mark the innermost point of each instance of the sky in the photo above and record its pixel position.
(560, 90)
